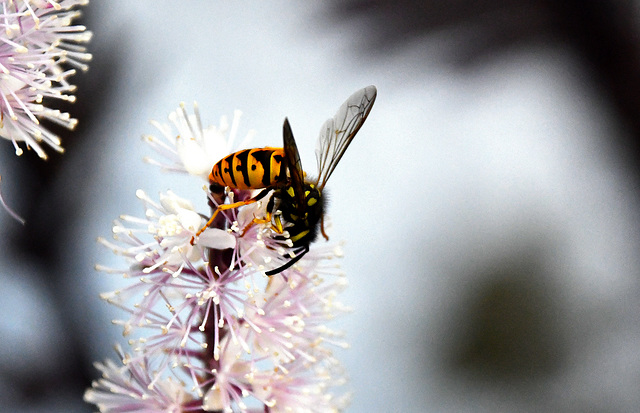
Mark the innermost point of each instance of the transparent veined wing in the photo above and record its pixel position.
(337, 133)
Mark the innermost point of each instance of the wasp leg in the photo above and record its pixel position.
(324, 234)
(276, 227)
(299, 254)
(256, 221)
(224, 207)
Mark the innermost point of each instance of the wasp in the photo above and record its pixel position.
(297, 204)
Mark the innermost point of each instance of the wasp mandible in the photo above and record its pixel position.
(298, 200)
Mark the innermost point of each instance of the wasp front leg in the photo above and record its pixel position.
(273, 219)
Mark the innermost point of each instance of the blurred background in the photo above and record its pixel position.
(489, 204)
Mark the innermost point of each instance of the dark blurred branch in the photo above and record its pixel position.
(604, 33)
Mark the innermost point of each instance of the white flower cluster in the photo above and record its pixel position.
(39, 51)
(208, 329)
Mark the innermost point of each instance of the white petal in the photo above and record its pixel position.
(189, 220)
(215, 145)
(213, 400)
(193, 157)
(11, 84)
(217, 239)
(173, 203)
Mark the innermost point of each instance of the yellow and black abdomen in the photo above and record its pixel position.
(251, 169)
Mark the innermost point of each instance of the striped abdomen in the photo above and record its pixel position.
(251, 169)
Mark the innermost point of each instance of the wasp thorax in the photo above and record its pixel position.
(301, 220)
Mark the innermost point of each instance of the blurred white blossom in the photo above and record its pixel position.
(39, 50)
(194, 149)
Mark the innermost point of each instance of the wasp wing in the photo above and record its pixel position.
(337, 133)
(296, 174)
